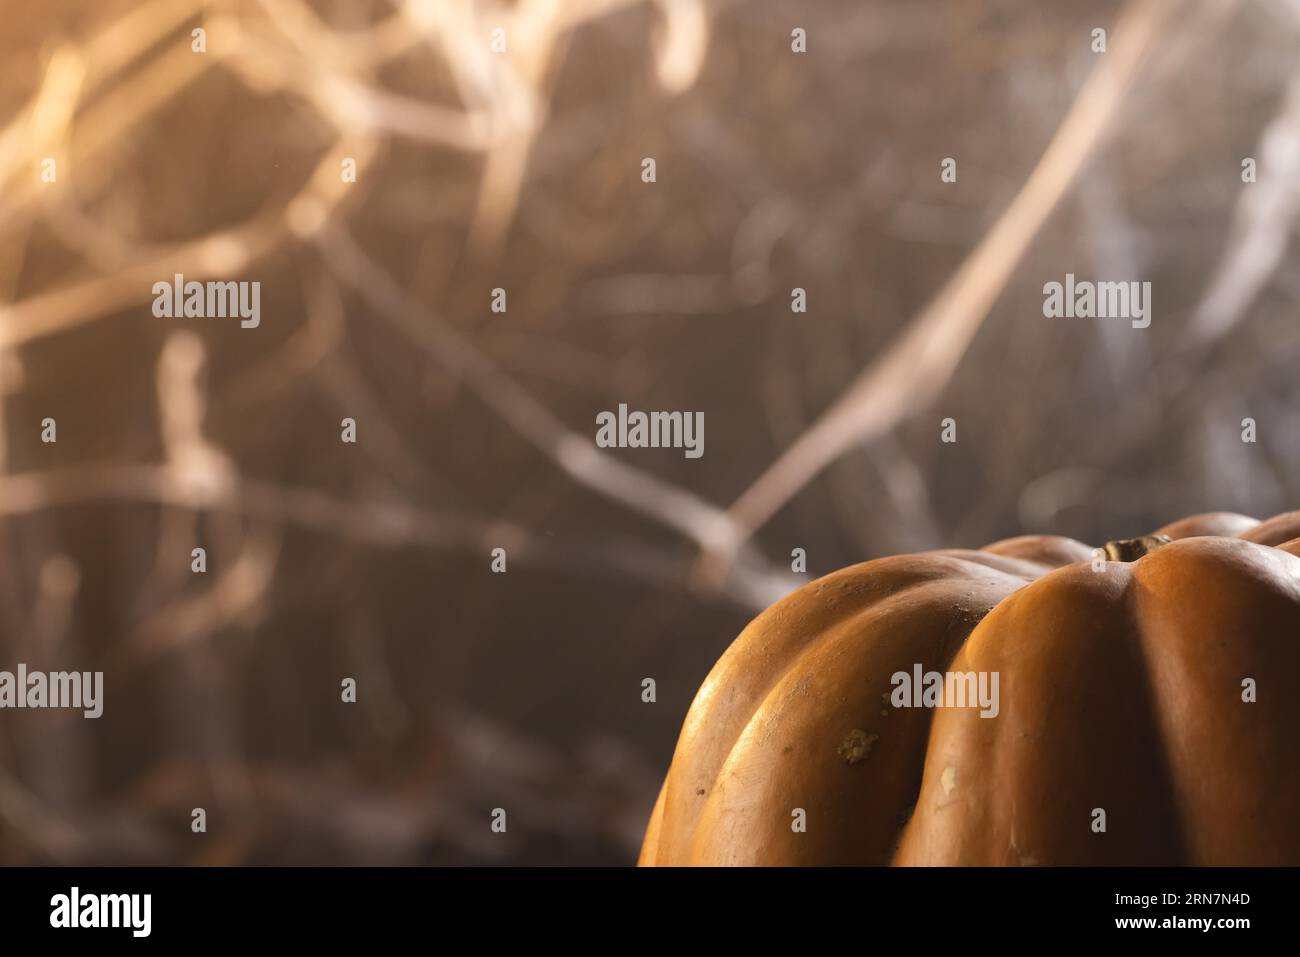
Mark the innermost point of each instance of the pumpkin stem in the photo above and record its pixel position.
(1131, 549)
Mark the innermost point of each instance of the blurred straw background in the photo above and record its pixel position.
(521, 170)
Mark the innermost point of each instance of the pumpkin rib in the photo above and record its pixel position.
(1050, 551)
(1209, 523)
(1249, 623)
(1026, 569)
(1275, 530)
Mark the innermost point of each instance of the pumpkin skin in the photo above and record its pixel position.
(1120, 689)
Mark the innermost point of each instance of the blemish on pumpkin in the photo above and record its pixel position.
(948, 779)
(856, 746)
(700, 791)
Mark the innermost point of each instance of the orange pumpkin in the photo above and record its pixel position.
(1148, 712)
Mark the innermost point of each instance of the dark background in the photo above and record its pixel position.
(522, 171)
